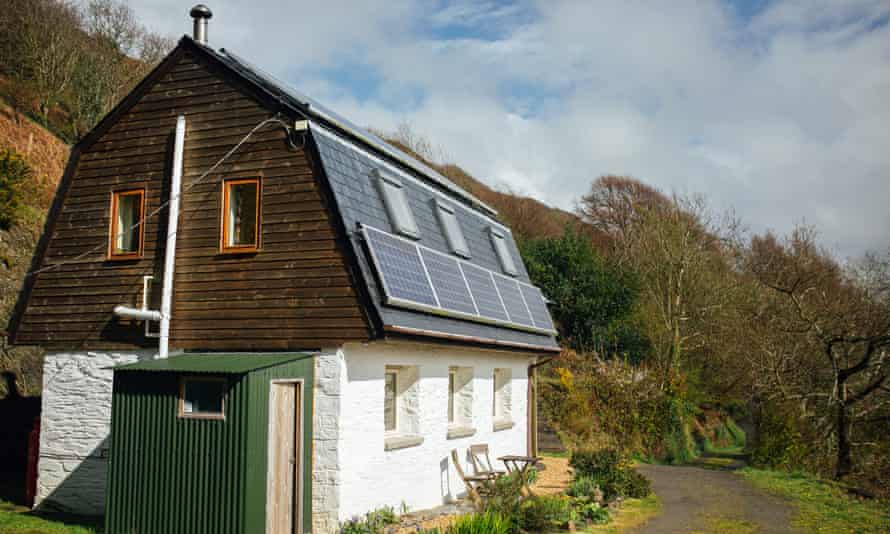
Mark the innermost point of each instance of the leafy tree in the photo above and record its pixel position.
(591, 301)
(13, 171)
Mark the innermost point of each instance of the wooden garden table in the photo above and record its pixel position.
(521, 465)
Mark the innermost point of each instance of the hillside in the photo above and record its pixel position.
(46, 155)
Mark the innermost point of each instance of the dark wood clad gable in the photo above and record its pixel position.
(295, 293)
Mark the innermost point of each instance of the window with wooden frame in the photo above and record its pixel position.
(126, 234)
(203, 397)
(241, 215)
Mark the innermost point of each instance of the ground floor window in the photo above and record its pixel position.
(460, 402)
(501, 408)
(401, 406)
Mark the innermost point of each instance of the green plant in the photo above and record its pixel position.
(611, 471)
(591, 511)
(374, 522)
(14, 170)
(539, 514)
(504, 495)
(582, 486)
(484, 523)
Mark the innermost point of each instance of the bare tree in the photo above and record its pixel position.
(821, 337)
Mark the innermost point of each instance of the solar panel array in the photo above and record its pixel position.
(417, 277)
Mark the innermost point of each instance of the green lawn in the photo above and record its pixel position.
(632, 514)
(822, 506)
(18, 520)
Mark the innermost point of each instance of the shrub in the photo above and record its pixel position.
(583, 486)
(543, 513)
(611, 472)
(504, 496)
(591, 511)
(374, 522)
(14, 170)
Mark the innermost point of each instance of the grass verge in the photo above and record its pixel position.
(19, 520)
(632, 514)
(822, 506)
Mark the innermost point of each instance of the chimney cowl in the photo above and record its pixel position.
(201, 14)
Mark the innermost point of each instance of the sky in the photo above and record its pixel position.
(778, 110)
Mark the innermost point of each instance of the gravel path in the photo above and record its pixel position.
(707, 500)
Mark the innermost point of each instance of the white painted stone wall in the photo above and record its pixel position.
(330, 371)
(75, 420)
(420, 476)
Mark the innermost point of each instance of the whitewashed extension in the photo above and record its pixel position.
(313, 237)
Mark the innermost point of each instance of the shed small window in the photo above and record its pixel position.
(241, 215)
(202, 397)
(451, 228)
(396, 202)
(126, 232)
(499, 242)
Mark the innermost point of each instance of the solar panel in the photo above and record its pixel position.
(400, 268)
(516, 308)
(417, 277)
(448, 282)
(537, 306)
(484, 292)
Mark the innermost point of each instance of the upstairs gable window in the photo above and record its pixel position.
(499, 242)
(396, 202)
(241, 215)
(451, 228)
(126, 234)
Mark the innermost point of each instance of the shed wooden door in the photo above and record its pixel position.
(285, 436)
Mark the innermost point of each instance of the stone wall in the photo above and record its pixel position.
(330, 369)
(76, 416)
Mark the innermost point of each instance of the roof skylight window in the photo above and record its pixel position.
(451, 228)
(499, 242)
(396, 202)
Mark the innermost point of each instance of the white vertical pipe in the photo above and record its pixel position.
(172, 226)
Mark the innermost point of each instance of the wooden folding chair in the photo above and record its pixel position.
(482, 461)
(475, 484)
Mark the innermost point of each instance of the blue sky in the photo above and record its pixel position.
(777, 109)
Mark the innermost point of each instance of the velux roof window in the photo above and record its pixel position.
(396, 202)
(451, 228)
(499, 242)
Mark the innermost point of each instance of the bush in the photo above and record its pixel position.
(504, 496)
(611, 472)
(546, 512)
(591, 511)
(14, 170)
(374, 522)
(583, 486)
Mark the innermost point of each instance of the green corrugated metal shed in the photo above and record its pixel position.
(169, 474)
(212, 363)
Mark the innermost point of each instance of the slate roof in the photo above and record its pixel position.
(348, 156)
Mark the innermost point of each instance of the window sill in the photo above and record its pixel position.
(503, 424)
(455, 432)
(401, 441)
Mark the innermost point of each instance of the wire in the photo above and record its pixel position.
(157, 210)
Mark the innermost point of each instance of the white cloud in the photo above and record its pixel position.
(783, 116)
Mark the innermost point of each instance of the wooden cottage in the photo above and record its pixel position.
(304, 320)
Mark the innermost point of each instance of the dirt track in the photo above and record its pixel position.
(697, 499)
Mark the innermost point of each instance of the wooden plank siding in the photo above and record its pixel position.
(296, 292)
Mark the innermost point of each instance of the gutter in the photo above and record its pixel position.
(164, 314)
